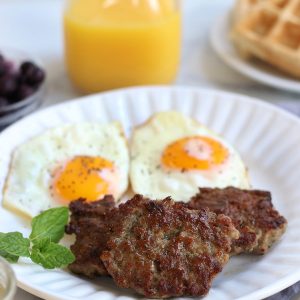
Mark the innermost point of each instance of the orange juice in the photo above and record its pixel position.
(117, 43)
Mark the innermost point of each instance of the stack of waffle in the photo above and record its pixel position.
(270, 31)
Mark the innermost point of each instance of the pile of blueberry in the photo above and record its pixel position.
(18, 83)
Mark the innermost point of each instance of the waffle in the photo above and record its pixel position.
(242, 8)
(270, 30)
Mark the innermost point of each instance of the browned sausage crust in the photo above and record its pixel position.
(90, 224)
(252, 213)
(163, 249)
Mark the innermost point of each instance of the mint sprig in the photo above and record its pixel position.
(9, 257)
(42, 245)
(14, 243)
(50, 224)
(51, 254)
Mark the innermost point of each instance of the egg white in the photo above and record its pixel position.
(27, 185)
(150, 179)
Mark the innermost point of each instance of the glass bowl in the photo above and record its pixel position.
(7, 281)
(14, 111)
(12, 117)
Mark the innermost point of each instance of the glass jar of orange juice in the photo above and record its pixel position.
(116, 43)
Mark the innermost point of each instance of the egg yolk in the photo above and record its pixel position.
(194, 153)
(84, 177)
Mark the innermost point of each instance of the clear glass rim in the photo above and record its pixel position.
(67, 3)
(10, 287)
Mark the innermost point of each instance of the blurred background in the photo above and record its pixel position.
(36, 27)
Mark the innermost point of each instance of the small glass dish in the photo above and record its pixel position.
(7, 281)
(12, 112)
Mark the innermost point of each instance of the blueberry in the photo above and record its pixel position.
(8, 85)
(9, 67)
(27, 66)
(2, 69)
(3, 102)
(2, 65)
(38, 76)
(27, 69)
(6, 66)
(31, 74)
(23, 92)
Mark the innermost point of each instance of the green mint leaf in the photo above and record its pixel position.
(51, 255)
(10, 258)
(41, 243)
(13, 243)
(50, 224)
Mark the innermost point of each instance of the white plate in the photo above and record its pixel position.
(268, 140)
(255, 69)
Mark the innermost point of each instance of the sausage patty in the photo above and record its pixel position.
(91, 225)
(252, 213)
(163, 249)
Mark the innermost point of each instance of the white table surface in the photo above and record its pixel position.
(35, 26)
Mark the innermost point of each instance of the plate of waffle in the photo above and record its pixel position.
(261, 39)
(237, 242)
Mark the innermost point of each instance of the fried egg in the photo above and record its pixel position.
(85, 160)
(173, 155)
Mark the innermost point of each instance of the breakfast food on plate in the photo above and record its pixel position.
(242, 8)
(84, 160)
(42, 245)
(163, 249)
(252, 213)
(90, 223)
(17, 83)
(270, 31)
(173, 155)
(159, 248)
